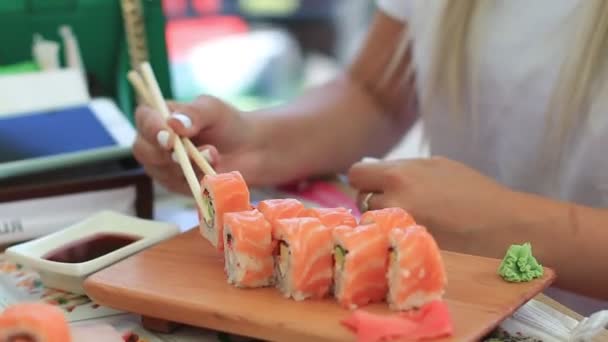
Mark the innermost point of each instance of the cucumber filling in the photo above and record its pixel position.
(339, 256)
(209, 213)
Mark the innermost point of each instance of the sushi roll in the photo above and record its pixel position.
(248, 249)
(416, 273)
(303, 260)
(222, 193)
(388, 218)
(360, 264)
(276, 209)
(34, 322)
(334, 217)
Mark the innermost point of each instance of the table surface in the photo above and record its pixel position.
(541, 297)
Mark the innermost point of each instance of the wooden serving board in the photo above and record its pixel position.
(182, 280)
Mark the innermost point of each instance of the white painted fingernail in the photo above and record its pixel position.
(174, 157)
(370, 160)
(207, 155)
(163, 138)
(185, 120)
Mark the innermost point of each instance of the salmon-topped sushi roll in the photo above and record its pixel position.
(303, 260)
(281, 208)
(416, 273)
(248, 249)
(388, 218)
(334, 217)
(360, 264)
(34, 322)
(222, 193)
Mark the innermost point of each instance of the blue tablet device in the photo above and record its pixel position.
(55, 138)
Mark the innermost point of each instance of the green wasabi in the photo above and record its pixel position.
(519, 265)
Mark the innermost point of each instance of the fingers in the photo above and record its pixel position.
(210, 153)
(384, 175)
(156, 138)
(380, 183)
(158, 165)
(165, 139)
(150, 153)
(380, 201)
(182, 124)
(172, 179)
(363, 201)
(373, 201)
(368, 177)
(152, 128)
(189, 119)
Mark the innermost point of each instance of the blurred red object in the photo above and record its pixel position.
(175, 8)
(184, 34)
(207, 6)
(179, 8)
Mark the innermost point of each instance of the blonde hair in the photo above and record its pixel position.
(452, 72)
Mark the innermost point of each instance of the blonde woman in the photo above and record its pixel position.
(511, 94)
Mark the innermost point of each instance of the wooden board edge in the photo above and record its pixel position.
(159, 325)
(99, 292)
(216, 321)
(213, 321)
(544, 282)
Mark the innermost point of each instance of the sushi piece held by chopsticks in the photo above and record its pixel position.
(222, 193)
(149, 90)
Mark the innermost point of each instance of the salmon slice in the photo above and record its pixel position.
(34, 322)
(303, 262)
(388, 218)
(281, 208)
(222, 193)
(416, 273)
(248, 249)
(360, 264)
(334, 217)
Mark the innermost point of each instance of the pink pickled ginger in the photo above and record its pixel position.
(432, 321)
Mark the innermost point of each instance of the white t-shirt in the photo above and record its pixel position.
(520, 49)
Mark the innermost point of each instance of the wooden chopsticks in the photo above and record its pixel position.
(149, 91)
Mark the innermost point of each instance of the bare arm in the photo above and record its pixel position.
(332, 126)
(324, 131)
(568, 237)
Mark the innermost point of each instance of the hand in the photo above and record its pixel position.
(96, 333)
(209, 123)
(460, 206)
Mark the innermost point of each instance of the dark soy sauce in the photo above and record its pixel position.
(90, 248)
